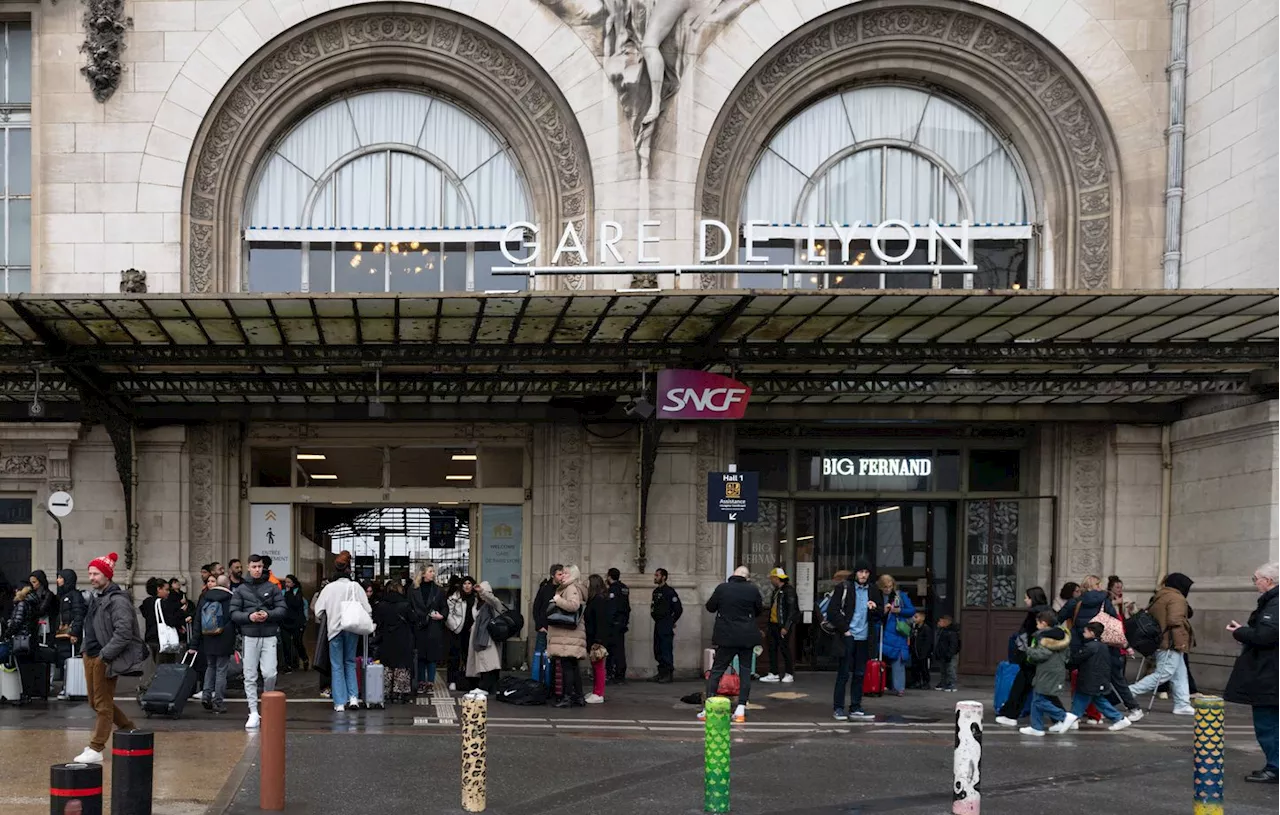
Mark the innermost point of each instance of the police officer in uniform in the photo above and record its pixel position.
(665, 609)
(619, 609)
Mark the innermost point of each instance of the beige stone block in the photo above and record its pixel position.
(784, 14)
(758, 27)
(177, 120)
(164, 15)
(71, 228)
(1233, 127)
(220, 51)
(560, 46)
(172, 227)
(200, 70)
(76, 107)
(263, 17)
(115, 137)
(1214, 42)
(163, 144)
(1039, 13)
(209, 13)
(158, 170)
(190, 96)
(159, 198)
(57, 138)
(60, 77)
(313, 8)
(122, 168)
(71, 283)
(154, 77)
(136, 228)
(180, 45)
(512, 16)
(72, 167)
(1212, 108)
(1089, 38)
(537, 28)
(1199, 83)
(1250, 151)
(580, 73)
(1127, 33)
(158, 258)
(57, 198)
(1150, 67)
(133, 107)
(1258, 80)
(290, 11)
(1237, 59)
(106, 197)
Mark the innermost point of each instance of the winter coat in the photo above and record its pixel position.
(1092, 662)
(295, 607)
(947, 643)
(896, 645)
(568, 642)
(22, 617)
(393, 615)
(736, 604)
(169, 612)
(71, 605)
(921, 643)
(598, 620)
(258, 595)
(462, 609)
(785, 605)
(664, 606)
(214, 645)
(1048, 653)
(46, 602)
(341, 589)
(1254, 677)
(1171, 611)
(541, 600)
(111, 633)
(430, 636)
(483, 654)
(619, 597)
(1080, 611)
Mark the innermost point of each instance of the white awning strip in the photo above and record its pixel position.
(276, 234)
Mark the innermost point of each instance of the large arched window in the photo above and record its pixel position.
(882, 152)
(386, 190)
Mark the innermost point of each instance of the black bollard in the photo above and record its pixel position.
(75, 788)
(132, 764)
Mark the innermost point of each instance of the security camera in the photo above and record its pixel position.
(639, 408)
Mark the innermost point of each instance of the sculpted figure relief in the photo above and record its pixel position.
(645, 46)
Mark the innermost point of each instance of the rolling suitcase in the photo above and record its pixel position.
(170, 689)
(35, 679)
(10, 683)
(1006, 673)
(75, 687)
(873, 681)
(373, 695)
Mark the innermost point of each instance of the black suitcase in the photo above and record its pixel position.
(170, 689)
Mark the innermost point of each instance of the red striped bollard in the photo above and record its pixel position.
(133, 757)
(75, 788)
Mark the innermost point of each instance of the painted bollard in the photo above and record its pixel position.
(475, 714)
(966, 795)
(715, 796)
(133, 756)
(1210, 753)
(75, 788)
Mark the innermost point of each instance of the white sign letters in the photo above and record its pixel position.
(916, 467)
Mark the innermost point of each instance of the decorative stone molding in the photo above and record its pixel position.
(104, 25)
(385, 45)
(704, 542)
(947, 43)
(570, 461)
(1087, 449)
(58, 467)
(23, 465)
(200, 450)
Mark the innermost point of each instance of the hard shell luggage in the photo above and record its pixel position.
(1006, 673)
(10, 683)
(873, 681)
(35, 679)
(76, 687)
(170, 689)
(373, 693)
(542, 667)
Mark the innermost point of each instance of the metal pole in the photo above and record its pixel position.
(271, 755)
(75, 788)
(475, 713)
(57, 521)
(715, 796)
(732, 540)
(966, 795)
(133, 758)
(1210, 749)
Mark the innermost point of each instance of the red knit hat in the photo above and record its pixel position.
(106, 565)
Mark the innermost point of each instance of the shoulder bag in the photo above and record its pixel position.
(560, 618)
(165, 633)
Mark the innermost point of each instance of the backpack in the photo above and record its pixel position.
(516, 691)
(835, 620)
(506, 625)
(1143, 633)
(213, 619)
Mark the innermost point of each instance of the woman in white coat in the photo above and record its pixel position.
(484, 660)
(342, 640)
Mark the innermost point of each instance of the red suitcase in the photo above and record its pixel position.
(873, 681)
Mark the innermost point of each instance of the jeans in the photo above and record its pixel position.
(1081, 701)
(723, 659)
(215, 679)
(947, 675)
(853, 666)
(1170, 667)
(1042, 706)
(259, 658)
(897, 673)
(1121, 694)
(426, 671)
(664, 642)
(101, 691)
(1266, 727)
(778, 642)
(342, 664)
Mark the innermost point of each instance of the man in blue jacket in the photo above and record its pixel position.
(848, 616)
(257, 609)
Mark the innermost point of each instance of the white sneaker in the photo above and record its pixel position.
(1164, 694)
(354, 703)
(770, 678)
(740, 713)
(1137, 714)
(788, 679)
(702, 715)
(453, 686)
(1184, 711)
(62, 696)
(339, 708)
(1031, 731)
(1075, 725)
(254, 721)
(594, 699)
(1121, 724)
(1005, 721)
(1064, 725)
(89, 756)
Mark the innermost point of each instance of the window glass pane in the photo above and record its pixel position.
(15, 511)
(19, 161)
(502, 466)
(762, 549)
(320, 269)
(275, 267)
(977, 530)
(488, 255)
(19, 280)
(269, 466)
(19, 249)
(19, 62)
(413, 268)
(360, 267)
(454, 261)
(1000, 264)
(776, 252)
(946, 470)
(770, 464)
(994, 470)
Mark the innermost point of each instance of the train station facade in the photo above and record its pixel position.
(400, 278)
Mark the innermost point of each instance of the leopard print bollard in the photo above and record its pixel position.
(474, 774)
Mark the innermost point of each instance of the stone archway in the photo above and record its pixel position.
(1016, 78)
(371, 46)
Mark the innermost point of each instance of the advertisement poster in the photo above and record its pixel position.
(501, 544)
(271, 534)
(805, 586)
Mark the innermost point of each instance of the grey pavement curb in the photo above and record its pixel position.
(227, 795)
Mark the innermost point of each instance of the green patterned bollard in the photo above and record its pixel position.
(1210, 750)
(716, 773)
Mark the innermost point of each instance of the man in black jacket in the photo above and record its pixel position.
(1254, 677)
(665, 609)
(218, 643)
(784, 613)
(546, 590)
(619, 623)
(258, 608)
(736, 604)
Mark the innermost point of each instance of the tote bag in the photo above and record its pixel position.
(167, 634)
(353, 618)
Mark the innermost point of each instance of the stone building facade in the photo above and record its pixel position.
(155, 164)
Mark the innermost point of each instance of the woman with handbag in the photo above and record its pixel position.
(69, 623)
(598, 622)
(567, 636)
(347, 616)
(19, 632)
(162, 619)
(894, 613)
(484, 659)
(430, 606)
(460, 620)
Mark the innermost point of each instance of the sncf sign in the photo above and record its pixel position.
(700, 395)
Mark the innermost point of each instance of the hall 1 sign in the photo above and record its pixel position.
(733, 498)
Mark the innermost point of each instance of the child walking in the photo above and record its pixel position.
(921, 649)
(1093, 682)
(947, 651)
(1048, 652)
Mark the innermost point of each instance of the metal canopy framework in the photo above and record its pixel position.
(161, 358)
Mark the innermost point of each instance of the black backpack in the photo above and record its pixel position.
(506, 625)
(516, 691)
(1143, 633)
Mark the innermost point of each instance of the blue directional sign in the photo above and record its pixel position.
(733, 497)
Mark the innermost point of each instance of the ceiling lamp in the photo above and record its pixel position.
(465, 457)
(458, 477)
(324, 477)
(310, 457)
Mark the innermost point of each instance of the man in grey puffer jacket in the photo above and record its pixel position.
(257, 609)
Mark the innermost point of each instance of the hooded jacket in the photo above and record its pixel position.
(22, 619)
(736, 604)
(71, 605)
(45, 601)
(1048, 652)
(111, 633)
(1254, 677)
(1172, 613)
(214, 645)
(258, 595)
(1093, 662)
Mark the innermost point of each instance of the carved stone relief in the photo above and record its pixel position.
(23, 465)
(200, 448)
(104, 25)
(1085, 511)
(704, 542)
(645, 47)
(1007, 54)
(569, 459)
(431, 41)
